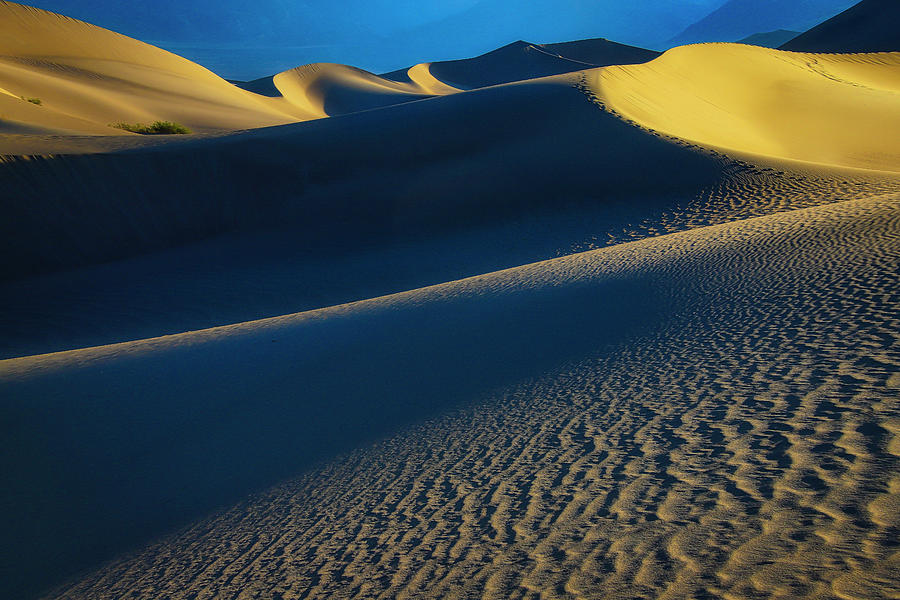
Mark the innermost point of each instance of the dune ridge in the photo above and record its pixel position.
(749, 99)
(625, 491)
(674, 95)
(88, 77)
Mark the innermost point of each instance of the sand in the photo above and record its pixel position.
(785, 105)
(697, 439)
(88, 78)
(624, 331)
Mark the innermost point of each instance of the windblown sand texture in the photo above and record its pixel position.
(616, 332)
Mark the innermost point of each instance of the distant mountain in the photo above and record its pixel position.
(377, 35)
(770, 39)
(523, 60)
(601, 52)
(737, 19)
(490, 23)
(870, 26)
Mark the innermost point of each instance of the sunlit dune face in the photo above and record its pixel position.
(839, 110)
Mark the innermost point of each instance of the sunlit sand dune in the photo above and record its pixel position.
(799, 106)
(414, 163)
(327, 90)
(87, 78)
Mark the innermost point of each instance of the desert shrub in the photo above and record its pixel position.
(156, 128)
(33, 100)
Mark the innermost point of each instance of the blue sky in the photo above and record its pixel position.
(244, 40)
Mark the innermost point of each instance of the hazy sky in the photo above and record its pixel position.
(244, 39)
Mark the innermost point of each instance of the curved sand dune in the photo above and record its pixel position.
(402, 171)
(722, 424)
(416, 162)
(520, 61)
(828, 109)
(88, 77)
(325, 90)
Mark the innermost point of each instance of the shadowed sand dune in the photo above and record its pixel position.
(328, 89)
(770, 39)
(870, 26)
(609, 332)
(404, 170)
(523, 60)
(679, 409)
(421, 166)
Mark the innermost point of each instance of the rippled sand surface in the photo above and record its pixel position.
(746, 447)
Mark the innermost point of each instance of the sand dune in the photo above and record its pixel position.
(403, 171)
(321, 90)
(519, 326)
(604, 478)
(415, 163)
(523, 60)
(326, 90)
(741, 98)
(88, 77)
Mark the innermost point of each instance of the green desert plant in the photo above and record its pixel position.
(33, 100)
(156, 128)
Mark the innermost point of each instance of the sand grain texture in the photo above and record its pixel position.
(743, 446)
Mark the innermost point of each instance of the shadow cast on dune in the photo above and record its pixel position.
(421, 167)
(145, 442)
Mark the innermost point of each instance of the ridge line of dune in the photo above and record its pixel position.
(647, 250)
(761, 102)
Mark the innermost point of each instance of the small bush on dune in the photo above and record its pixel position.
(33, 100)
(157, 128)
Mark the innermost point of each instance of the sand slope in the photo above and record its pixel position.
(415, 163)
(404, 170)
(321, 90)
(326, 90)
(743, 98)
(88, 77)
(682, 408)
